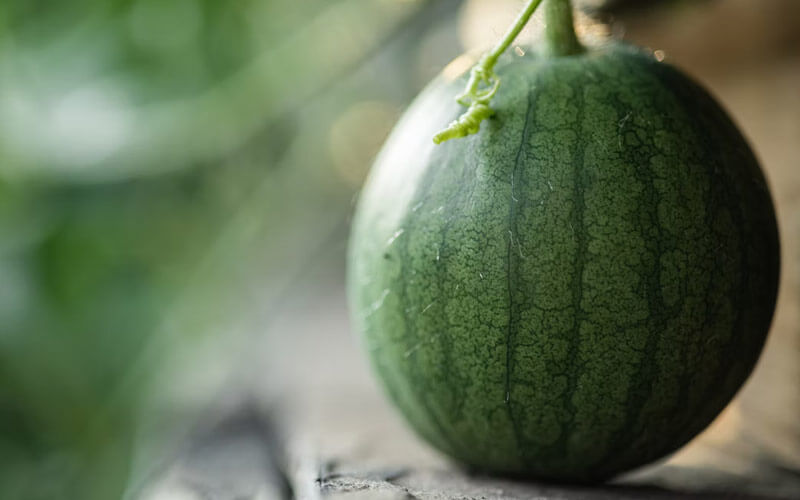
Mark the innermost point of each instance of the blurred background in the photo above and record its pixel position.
(176, 183)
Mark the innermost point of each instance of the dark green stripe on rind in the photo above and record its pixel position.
(581, 287)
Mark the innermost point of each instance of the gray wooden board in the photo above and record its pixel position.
(241, 459)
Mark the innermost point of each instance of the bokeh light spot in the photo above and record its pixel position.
(356, 137)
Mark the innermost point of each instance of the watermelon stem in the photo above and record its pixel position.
(560, 29)
(483, 82)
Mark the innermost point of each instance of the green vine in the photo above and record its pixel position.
(483, 81)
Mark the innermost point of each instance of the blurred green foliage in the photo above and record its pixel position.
(167, 168)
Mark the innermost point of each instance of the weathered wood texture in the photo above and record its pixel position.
(232, 459)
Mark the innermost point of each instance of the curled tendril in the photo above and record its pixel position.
(481, 87)
(466, 124)
(473, 93)
(483, 82)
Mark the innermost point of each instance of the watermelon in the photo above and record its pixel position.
(581, 287)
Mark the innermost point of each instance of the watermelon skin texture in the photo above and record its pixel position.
(580, 288)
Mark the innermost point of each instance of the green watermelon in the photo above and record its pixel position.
(581, 287)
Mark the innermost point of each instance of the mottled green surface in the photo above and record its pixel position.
(581, 287)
